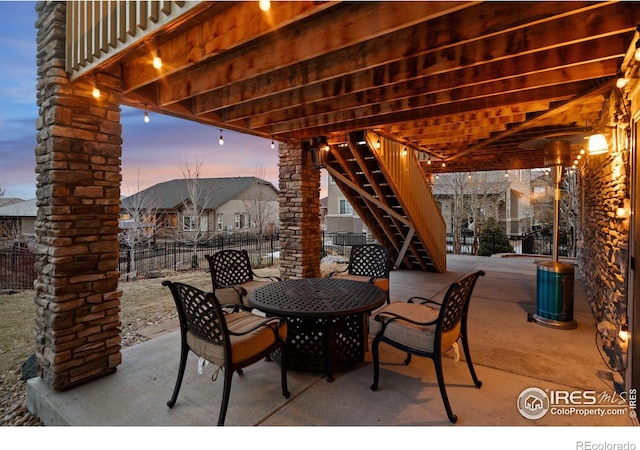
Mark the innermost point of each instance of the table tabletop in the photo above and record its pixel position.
(314, 297)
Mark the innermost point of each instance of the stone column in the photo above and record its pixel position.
(300, 235)
(78, 154)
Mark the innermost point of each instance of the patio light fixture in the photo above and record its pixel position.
(597, 144)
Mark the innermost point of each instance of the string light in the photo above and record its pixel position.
(273, 145)
(157, 60)
(146, 115)
(221, 140)
(265, 5)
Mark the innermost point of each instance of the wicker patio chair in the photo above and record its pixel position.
(233, 278)
(368, 262)
(231, 341)
(427, 329)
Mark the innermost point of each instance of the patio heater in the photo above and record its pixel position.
(555, 279)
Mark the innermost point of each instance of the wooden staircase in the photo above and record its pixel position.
(383, 182)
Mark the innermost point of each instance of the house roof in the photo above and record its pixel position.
(25, 208)
(214, 192)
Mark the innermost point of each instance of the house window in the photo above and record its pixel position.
(345, 208)
(219, 221)
(241, 220)
(190, 223)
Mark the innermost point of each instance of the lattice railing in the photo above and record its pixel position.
(99, 29)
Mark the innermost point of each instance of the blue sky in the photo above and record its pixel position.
(154, 150)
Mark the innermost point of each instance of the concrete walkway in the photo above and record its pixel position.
(510, 355)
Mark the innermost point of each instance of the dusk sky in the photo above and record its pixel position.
(155, 150)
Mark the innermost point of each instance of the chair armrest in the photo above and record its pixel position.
(271, 277)
(278, 321)
(424, 301)
(338, 271)
(239, 289)
(397, 317)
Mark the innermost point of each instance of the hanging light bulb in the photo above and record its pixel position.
(96, 91)
(273, 145)
(146, 115)
(221, 140)
(157, 60)
(506, 173)
(378, 143)
(429, 159)
(265, 5)
(444, 164)
(621, 82)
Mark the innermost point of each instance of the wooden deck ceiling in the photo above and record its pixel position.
(465, 82)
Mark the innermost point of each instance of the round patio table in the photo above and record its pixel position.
(326, 320)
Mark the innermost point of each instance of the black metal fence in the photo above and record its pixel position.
(180, 256)
(538, 242)
(17, 268)
(339, 243)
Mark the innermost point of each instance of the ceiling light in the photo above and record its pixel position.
(221, 140)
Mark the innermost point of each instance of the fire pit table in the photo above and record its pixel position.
(326, 320)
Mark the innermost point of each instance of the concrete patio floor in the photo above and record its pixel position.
(510, 355)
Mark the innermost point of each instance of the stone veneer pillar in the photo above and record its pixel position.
(78, 190)
(300, 237)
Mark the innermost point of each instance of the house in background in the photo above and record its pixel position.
(340, 216)
(223, 205)
(503, 195)
(18, 219)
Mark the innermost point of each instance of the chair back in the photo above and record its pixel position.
(199, 312)
(230, 267)
(369, 260)
(454, 310)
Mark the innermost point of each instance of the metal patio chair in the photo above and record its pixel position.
(233, 277)
(427, 329)
(370, 263)
(231, 341)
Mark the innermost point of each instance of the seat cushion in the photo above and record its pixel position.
(242, 347)
(228, 296)
(415, 336)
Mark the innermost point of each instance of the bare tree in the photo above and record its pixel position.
(193, 228)
(141, 225)
(261, 208)
(568, 203)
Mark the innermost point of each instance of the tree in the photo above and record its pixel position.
(141, 223)
(261, 209)
(193, 229)
(568, 203)
(492, 239)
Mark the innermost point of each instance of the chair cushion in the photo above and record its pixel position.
(228, 296)
(242, 347)
(415, 336)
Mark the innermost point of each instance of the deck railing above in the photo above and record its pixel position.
(100, 29)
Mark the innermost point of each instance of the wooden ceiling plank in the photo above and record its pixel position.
(402, 77)
(418, 41)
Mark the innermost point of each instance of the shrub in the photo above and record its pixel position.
(492, 239)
